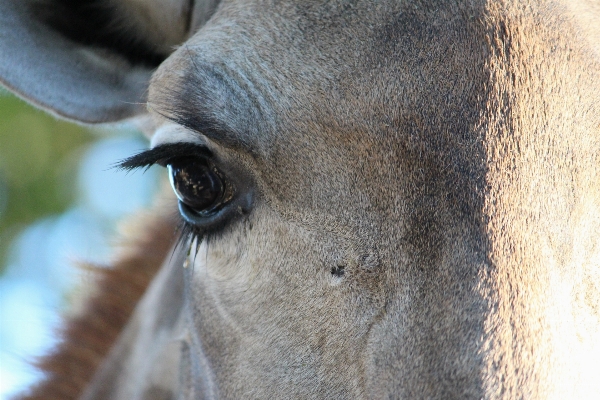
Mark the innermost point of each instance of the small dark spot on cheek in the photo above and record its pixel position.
(338, 271)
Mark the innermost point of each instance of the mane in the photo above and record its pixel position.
(87, 337)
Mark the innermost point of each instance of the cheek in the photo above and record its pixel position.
(258, 250)
(261, 263)
(266, 271)
(263, 291)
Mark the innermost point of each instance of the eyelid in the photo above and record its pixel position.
(173, 133)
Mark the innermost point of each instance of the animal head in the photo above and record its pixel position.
(381, 199)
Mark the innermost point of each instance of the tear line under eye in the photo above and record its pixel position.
(162, 154)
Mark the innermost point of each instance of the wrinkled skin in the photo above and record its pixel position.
(422, 210)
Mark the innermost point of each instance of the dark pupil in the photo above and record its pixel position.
(195, 183)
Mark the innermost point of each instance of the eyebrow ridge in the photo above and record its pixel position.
(194, 120)
(208, 101)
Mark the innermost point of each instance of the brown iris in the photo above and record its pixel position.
(196, 184)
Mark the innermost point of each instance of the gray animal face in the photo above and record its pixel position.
(360, 242)
(399, 200)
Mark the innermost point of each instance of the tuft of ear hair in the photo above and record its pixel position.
(100, 24)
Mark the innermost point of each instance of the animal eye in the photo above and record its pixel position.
(198, 185)
(208, 198)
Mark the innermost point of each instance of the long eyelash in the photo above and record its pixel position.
(161, 155)
(188, 233)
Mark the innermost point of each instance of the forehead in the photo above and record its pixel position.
(257, 73)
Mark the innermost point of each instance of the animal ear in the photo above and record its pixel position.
(90, 60)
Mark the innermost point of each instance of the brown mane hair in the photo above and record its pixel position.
(87, 337)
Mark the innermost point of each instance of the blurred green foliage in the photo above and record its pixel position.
(38, 166)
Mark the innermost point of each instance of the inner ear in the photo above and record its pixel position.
(91, 60)
(144, 33)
